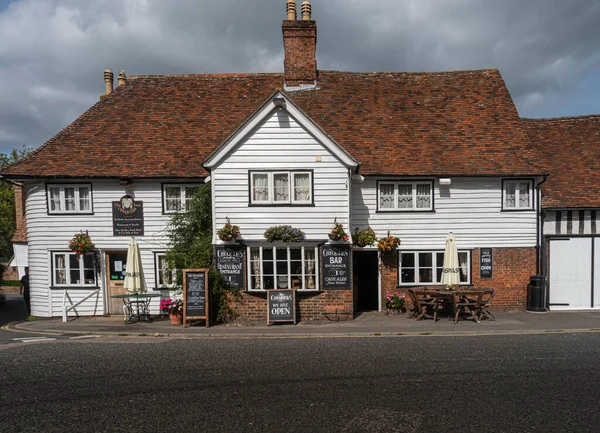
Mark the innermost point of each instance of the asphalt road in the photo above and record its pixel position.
(517, 383)
(15, 311)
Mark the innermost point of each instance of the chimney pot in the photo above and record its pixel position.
(108, 81)
(306, 9)
(290, 8)
(122, 78)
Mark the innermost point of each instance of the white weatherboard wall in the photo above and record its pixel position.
(280, 143)
(469, 207)
(47, 233)
(20, 258)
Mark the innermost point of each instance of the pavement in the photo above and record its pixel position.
(13, 317)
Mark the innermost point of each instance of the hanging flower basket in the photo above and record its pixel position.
(81, 244)
(388, 244)
(229, 232)
(338, 233)
(284, 234)
(364, 237)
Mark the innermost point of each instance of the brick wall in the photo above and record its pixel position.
(300, 45)
(512, 268)
(309, 306)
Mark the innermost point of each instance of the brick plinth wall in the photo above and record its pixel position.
(309, 306)
(512, 268)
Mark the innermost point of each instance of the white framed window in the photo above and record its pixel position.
(425, 267)
(281, 187)
(405, 195)
(283, 267)
(166, 278)
(74, 198)
(517, 194)
(68, 270)
(176, 196)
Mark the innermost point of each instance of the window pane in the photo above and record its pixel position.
(423, 196)
(268, 253)
(75, 276)
(509, 194)
(425, 260)
(439, 265)
(84, 199)
(524, 194)
(89, 276)
(426, 267)
(59, 267)
(425, 275)
(269, 282)
(255, 268)
(268, 267)
(309, 268)
(189, 193)
(302, 187)
(73, 262)
(260, 187)
(88, 261)
(55, 200)
(70, 199)
(407, 260)
(405, 198)
(463, 265)
(172, 198)
(282, 268)
(282, 187)
(386, 196)
(407, 276)
(281, 253)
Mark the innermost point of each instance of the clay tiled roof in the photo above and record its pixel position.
(447, 123)
(570, 149)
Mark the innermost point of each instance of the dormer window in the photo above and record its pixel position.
(281, 188)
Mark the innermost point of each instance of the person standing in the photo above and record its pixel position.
(24, 290)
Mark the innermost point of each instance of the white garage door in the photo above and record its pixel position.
(574, 273)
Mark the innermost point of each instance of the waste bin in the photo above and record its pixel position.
(535, 293)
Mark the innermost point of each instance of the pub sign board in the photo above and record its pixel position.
(195, 295)
(281, 306)
(128, 217)
(485, 263)
(231, 265)
(336, 267)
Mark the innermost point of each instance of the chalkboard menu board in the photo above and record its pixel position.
(128, 217)
(195, 295)
(230, 264)
(485, 263)
(335, 261)
(281, 306)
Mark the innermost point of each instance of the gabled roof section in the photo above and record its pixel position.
(279, 101)
(460, 123)
(570, 149)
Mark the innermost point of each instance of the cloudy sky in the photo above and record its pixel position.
(53, 52)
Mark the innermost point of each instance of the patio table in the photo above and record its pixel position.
(137, 306)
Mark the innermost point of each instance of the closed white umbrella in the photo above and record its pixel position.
(134, 275)
(450, 276)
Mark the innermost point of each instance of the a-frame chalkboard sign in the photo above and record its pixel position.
(281, 306)
(195, 296)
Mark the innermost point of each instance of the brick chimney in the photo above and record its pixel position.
(108, 83)
(300, 46)
(21, 230)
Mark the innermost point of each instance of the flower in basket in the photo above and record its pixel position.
(81, 244)
(171, 306)
(229, 232)
(388, 244)
(284, 234)
(338, 233)
(364, 237)
(395, 300)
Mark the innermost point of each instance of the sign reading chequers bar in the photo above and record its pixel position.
(128, 217)
(336, 267)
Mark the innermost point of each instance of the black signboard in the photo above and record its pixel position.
(281, 306)
(485, 263)
(195, 295)
(336, 267)
(128, 217)
(230, 264)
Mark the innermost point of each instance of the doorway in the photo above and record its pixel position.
(366, 276)
(116, 261)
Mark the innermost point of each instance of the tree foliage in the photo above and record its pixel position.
(190, 247)
(7, 204)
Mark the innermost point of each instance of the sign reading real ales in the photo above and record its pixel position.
(281, 306)
(336, 266)
(230, 264)
(195, 295)
(485, 263)
(128, 217)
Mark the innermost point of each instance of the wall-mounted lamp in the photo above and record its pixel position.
(124, 181)
(279, 101)
(207, 179)
(358, 177)
(445, 181)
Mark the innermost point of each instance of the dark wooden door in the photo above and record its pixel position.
(367, 280)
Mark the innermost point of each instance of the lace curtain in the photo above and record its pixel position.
(309, 256)
(423, 196)
(302, 187)
(261, 187)
(256, 267)
(524, 195)
(405, 198)
(386, 196)
(282, 187)
(61, 276)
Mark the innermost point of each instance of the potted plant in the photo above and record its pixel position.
(81, 244)
(229, 232)
(284, 233)
(338, 233)
(394, 302)
(388, 244)
(364, 237)
(175, 309)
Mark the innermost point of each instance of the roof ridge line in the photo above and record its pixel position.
(450, 71)
(562, 118)
(216, 75)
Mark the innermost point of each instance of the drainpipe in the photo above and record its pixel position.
(541, 243)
